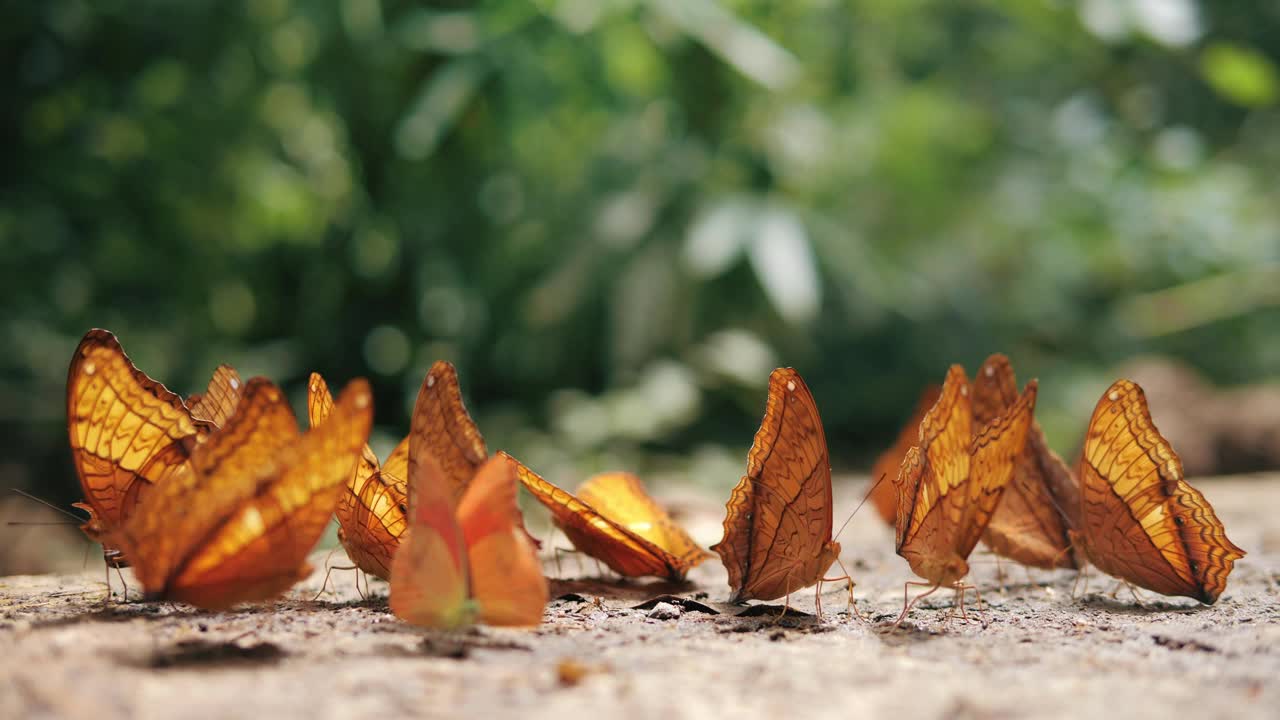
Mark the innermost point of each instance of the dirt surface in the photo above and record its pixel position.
(1033, 651)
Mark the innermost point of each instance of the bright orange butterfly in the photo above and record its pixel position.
(614, 520)
(466, 561)
(777, 526)
(371, 511)
(1139, 518)
(231, 519)
(1032, 521)
(120, 421)
(950, 483)
(884, 495)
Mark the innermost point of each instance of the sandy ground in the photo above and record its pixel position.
(1034, 651)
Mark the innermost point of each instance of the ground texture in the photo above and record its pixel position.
(1032, 651)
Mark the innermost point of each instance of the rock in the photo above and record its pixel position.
(664, 611)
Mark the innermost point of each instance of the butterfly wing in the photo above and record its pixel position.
(450, 436)
(995, 448)
(507, 584)
(621, 498)
(884, 495)
(777, 526)
(931, 482)
(1140, 519)
(1030, 525)
(119, 421)
(624, 551)
(371, 514)
(217, 403)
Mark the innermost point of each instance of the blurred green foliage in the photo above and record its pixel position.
(616, 216)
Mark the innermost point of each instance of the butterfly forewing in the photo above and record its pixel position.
(119, 420)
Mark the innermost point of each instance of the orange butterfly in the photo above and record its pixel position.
(1139, 518)
(884, 495)
(613, 519)
(371, 511)
(1031, 523)
(465, 561)
(777, 526)
(950, 483)
(119, 422)
(231, 519)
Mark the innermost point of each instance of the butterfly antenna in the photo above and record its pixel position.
(864, 502)
(47, 504)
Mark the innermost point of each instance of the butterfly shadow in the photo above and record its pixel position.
(206, 654)
(623, 590)
(1130, 606)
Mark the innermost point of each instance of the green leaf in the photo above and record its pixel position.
(1240, 74)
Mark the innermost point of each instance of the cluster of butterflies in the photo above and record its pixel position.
(218, 498)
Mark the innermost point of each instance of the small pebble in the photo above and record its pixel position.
(664, 611)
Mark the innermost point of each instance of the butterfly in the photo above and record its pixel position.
(1032, 521)
(777, 526)
(884, 496)
(1139, 518)
(371, 511)
(230, 519)
(613, 519)
(951, 481)
(120, 421)
(467, 560)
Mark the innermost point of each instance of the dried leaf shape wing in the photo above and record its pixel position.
(449, 433)
(1032, 521)
(1140, 519)
(884, 495)
(444, 430)
(118, 421)
(777, 526)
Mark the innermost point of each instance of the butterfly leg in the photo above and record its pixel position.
(1000, 574)
(906, 606)
(329, 572)
(124, 586)
(848, 579)
(1134, 592)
